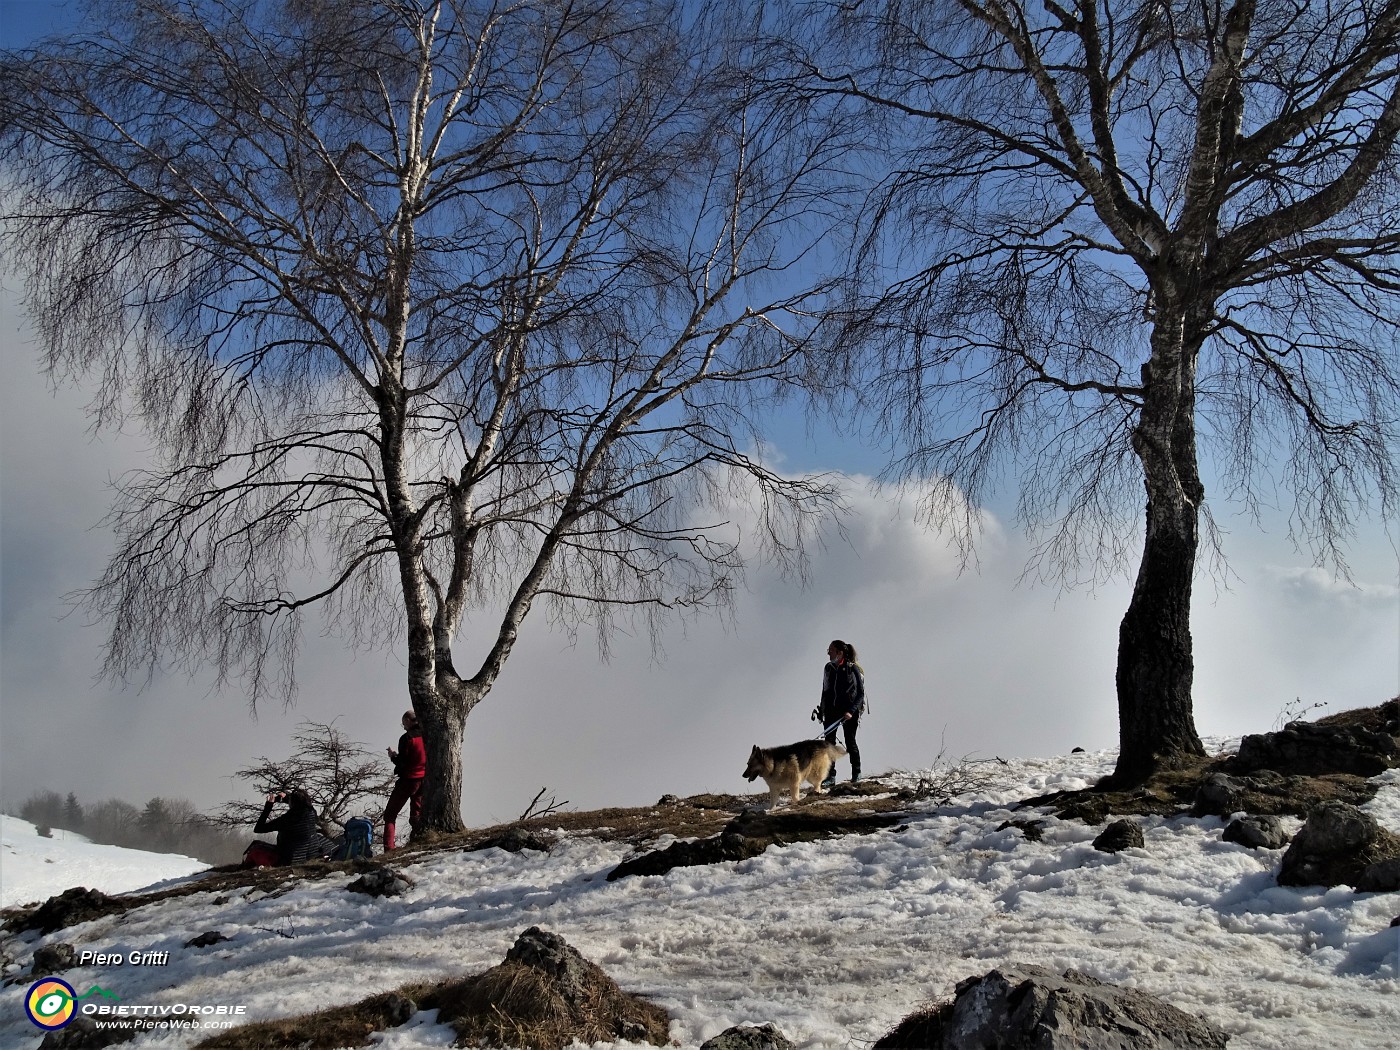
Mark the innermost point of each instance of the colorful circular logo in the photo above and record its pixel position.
(49, 1003)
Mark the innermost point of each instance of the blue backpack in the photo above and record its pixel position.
(359, 840)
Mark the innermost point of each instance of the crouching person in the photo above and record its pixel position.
(299, 836)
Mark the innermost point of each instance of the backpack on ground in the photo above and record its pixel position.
(261, 855)
(358, 843)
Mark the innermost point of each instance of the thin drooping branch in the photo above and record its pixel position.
(433, 308)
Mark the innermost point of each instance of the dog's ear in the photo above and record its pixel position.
(755, 753)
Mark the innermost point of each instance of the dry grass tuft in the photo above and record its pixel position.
(517, 1005)
(340, 1026)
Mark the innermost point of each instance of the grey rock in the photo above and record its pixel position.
(1033, 830)
(552, 955)
(1309, 749)
(1268, 793)
(1339, 845)
(53, 958)
(1030, 1008)
(382, 882)
(747, 1037)
(513, 840)
(1380, 877)
(1120, 835)
(206, 940)
(1219, 794)
(69, 908)
(1257, 832)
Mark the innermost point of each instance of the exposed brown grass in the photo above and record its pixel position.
(509, 1005)
(921, 1029)
(338, 1026)
(516, 1005)
(1373, 718)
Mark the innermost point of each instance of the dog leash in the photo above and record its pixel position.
(828, 729)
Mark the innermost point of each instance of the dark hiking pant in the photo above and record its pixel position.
(848, 729)
(405, 790)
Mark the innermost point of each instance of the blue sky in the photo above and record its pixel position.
(958, 661)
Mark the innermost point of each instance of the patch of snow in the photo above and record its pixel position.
(832, 941)
(33, 868)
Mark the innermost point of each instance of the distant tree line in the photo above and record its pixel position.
(342, 776)
(163, 825)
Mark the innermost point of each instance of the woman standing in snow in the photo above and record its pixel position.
(411, 765)
(843, 690)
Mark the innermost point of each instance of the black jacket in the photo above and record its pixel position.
(842, 691)
(298, 830)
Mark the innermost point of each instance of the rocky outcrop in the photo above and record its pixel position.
(382, 882)
(1031, 1008)
(1256, 832)
(206, 940)
(513, 840)
(1315, 748)
(1118, 836)
(69, 908)
(52, 959)
(749, 834)
(1340, 845)
(545, 995)
(1268, 793)
(746, 1037)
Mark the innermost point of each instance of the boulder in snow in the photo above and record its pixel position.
(1315, 748)
(69, 908)
(1120, 835)
(747, 1037)
(1030, 1008)
(52, 959)
(1257, 832)
(1270, 793)
(381, 882)
(1340, 845)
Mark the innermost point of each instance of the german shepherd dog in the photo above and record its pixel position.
(784, 768)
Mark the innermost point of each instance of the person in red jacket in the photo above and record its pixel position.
(411, 765)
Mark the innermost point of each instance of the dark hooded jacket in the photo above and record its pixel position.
(842, 691)
(298, 830)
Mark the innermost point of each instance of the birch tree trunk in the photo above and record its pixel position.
(1156, 668)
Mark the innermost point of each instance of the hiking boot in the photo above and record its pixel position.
(829, 783)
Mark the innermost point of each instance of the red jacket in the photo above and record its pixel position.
(412, 763)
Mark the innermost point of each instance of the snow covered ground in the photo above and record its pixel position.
(33, 868)
(833, 941)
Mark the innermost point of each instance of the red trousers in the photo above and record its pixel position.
(406, 789)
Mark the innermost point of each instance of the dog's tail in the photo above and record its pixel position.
(837, 751)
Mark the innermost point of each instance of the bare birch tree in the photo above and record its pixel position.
(1117, 236)
(436, 311)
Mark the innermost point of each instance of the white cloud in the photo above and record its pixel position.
(968, 658)
(1312, 584)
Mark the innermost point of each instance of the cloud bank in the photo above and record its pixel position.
(964, 662)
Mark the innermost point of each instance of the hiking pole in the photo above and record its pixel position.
(829, 728)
